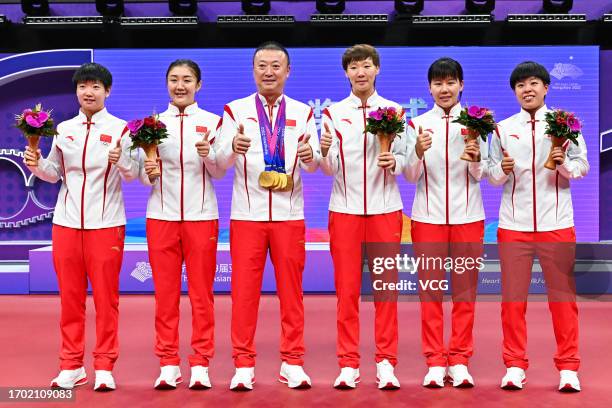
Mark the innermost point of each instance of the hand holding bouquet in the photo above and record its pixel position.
(478, 121)
(386, 123)
(147, 133)
(35, 123)
(561, 126)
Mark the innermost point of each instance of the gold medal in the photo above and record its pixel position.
(277, 181)
(283, 184)
(266, 179)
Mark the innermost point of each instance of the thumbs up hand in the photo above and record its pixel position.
(114, 154)
(423, 142)
(507, 163)
(241, 142)
(326, 140)
(203, 146)
(304, 150)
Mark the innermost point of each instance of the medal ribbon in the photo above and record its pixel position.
(272, 140)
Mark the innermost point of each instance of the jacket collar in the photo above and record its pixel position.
(525, 116)
(454, 112)
(189, 110)
(370, 103)
(265, 102)
(99, 116)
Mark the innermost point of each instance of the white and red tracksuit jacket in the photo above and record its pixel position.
(534, 198)
(360, 186)
(184, 191)
(90, 196)
(448, 188)
(250, 201)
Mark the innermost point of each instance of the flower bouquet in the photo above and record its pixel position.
(35, 123)
(386, 123)
(561, 126)
(478, 121)
(147, 133)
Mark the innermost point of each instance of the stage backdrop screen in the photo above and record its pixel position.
(317, 79)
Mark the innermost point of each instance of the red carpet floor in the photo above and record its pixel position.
(29, 341)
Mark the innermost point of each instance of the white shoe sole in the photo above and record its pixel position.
(80, 382)
(464, 384)
(510, 386)
(388, 386)
(569, 388)
(301, 386)
(344, 386)
(163, 385)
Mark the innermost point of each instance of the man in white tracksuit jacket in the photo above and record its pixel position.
(260, 131)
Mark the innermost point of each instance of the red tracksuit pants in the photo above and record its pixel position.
(170, 244)
(441, 241)
(95, 254)
(347, 233)
(250, 242)
(556, 252)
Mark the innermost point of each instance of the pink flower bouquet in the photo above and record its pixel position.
(561, 126)
(35, 123)
(386, 123)
(478, 121)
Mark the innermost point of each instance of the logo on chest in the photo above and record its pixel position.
(201, 130)
(515, 136)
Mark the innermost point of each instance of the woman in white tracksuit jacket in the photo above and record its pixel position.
(182, 226)
(91, 156)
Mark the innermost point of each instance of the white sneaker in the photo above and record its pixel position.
(169, 378)
(243, 380)
(514, 379)
(460, 377)
(348, 378)
(385, 377)
(68, 379)
(294, 376)
(104, 381)
(199, 378)
(569, 381)
(435, 377)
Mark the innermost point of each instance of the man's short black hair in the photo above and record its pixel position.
(272, 45)
(529, 69)
(92, 72)
(443, 68)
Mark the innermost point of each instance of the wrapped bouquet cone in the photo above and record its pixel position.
(385, 140)
(33, 141)
(151, 152)
(556, 142)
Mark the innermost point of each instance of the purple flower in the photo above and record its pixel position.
(377, 114)
(36, 119)
(574, 124)
(477, 112)
(134, 125)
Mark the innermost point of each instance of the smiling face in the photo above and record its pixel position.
(182, 86)
(446, 91)
(530, 93)
(270, 71)
(91, 96)
(362, 75)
